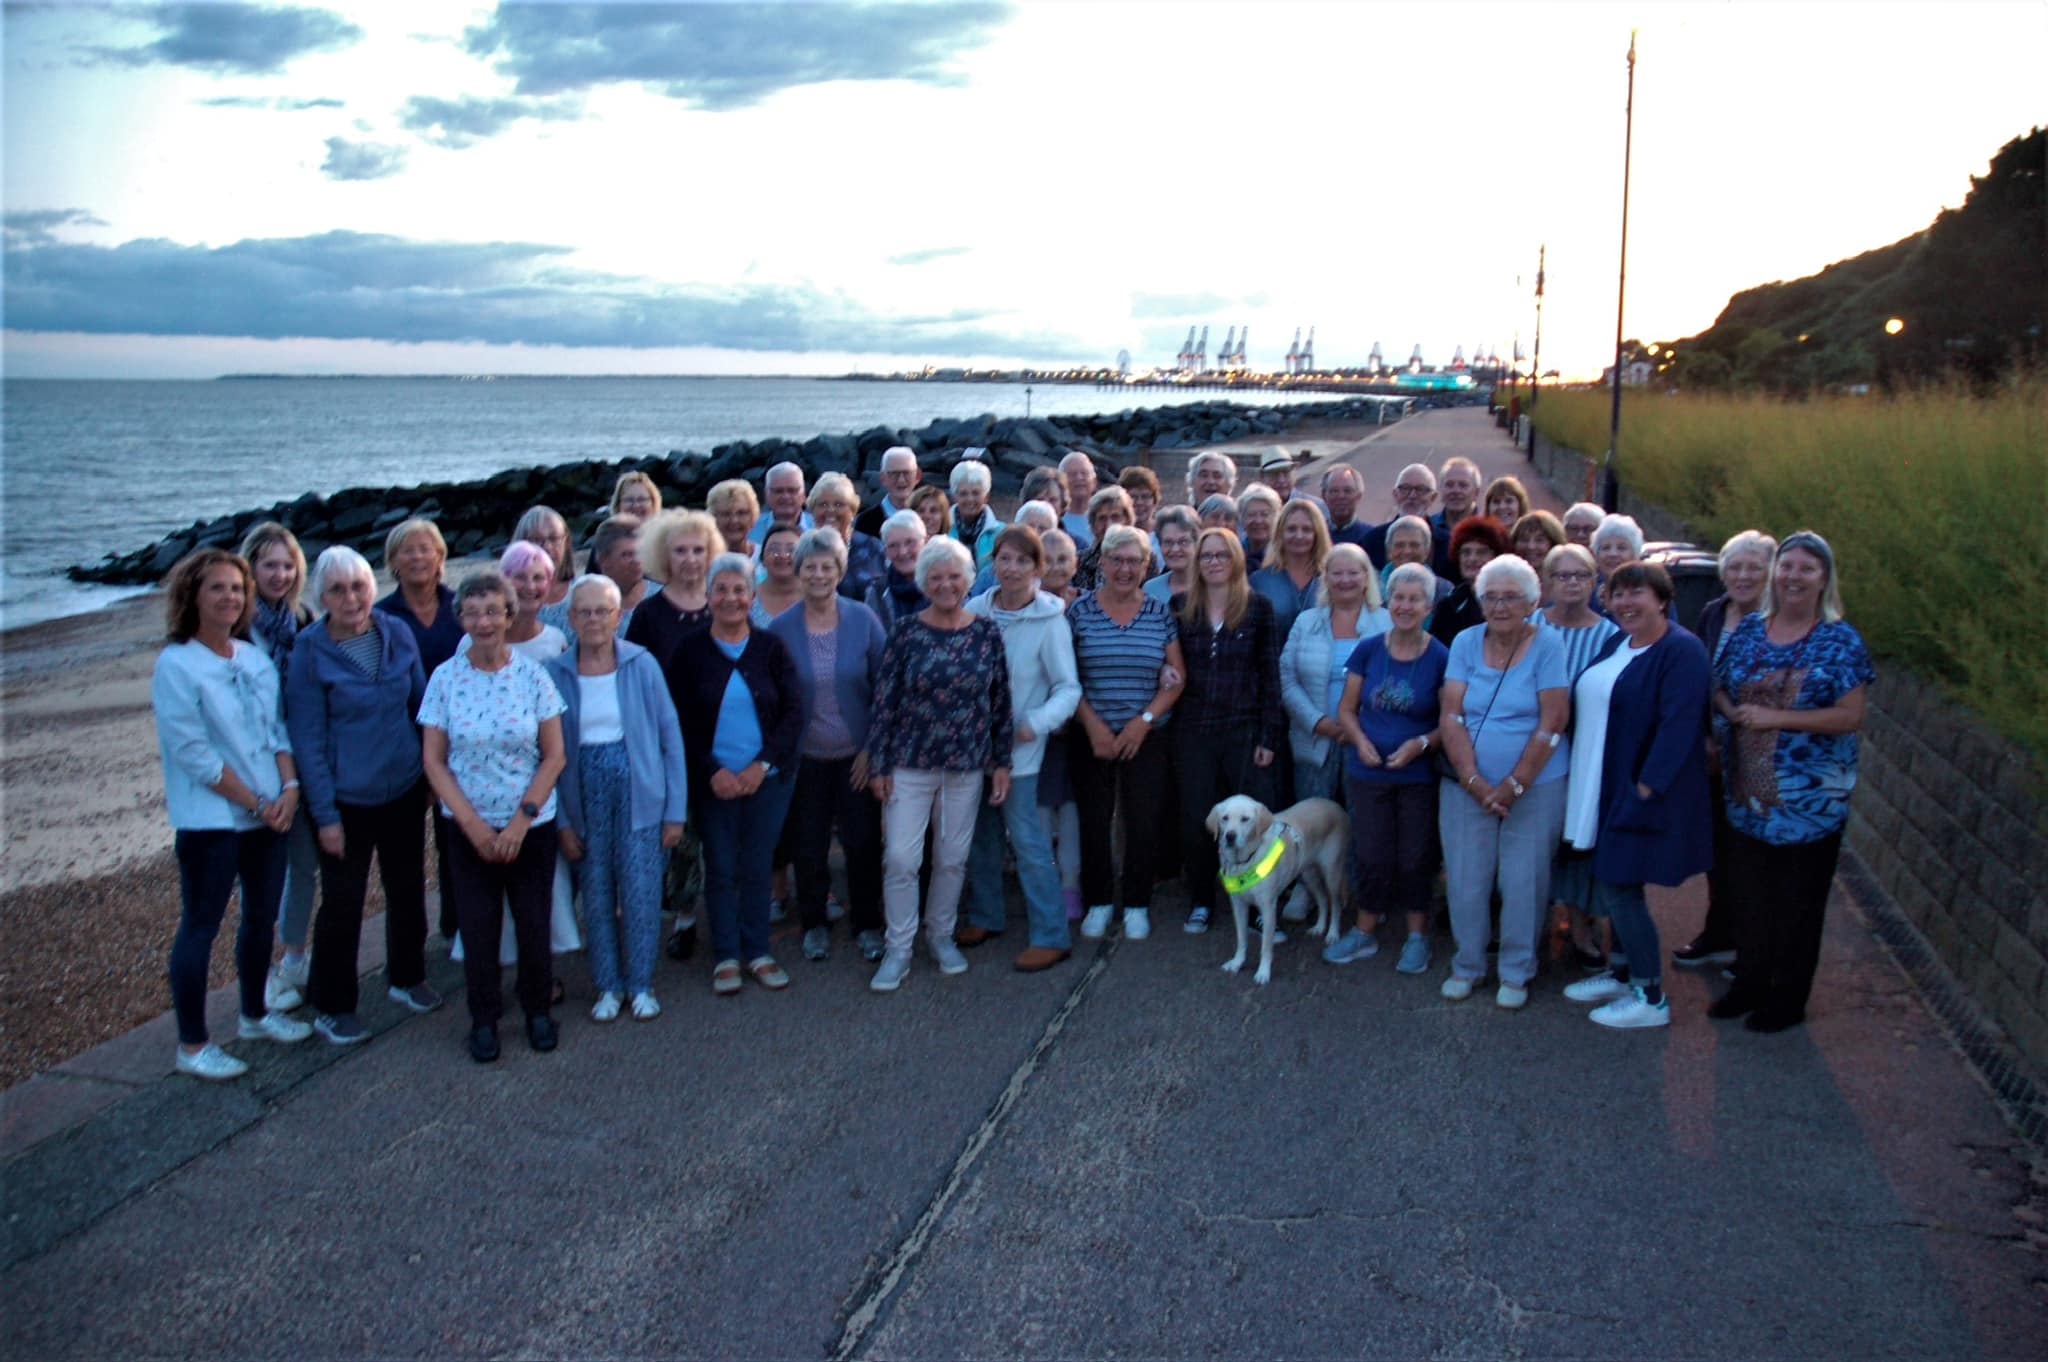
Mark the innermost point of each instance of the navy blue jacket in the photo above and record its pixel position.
(697, 675)
(1653, 738)
(353, 738)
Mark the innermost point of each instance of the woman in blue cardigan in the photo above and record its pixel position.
(354, 685)
(624, 793)
(836, 645)
(1639, 796)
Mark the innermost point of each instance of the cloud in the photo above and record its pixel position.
(348, 160)
(37, 226)
(932, 253)
(280, 103)
(359, 286)
(1192, 306)
(464, 121)
(727, 56)
(253, 40)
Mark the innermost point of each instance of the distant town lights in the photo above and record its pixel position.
(1894, 326)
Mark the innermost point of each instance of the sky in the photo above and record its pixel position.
(813, 188)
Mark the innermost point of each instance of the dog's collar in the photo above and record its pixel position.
(1262, 868)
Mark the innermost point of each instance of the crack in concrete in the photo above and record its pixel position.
(866, 1310)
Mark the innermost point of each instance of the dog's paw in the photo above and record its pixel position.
(1234, 964)
(1264, 975)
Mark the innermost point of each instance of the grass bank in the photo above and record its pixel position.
(1936, 504)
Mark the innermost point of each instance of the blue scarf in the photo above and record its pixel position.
(278, 627)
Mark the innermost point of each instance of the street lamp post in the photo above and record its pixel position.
(1610, 491)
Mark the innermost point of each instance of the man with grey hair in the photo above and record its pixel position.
(1342, 490)
(1079, 470)
(1414, 494)
(900, 475)
(785, 486)
(1459, 481)
(1210, 472)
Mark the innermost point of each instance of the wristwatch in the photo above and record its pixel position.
(1150, 722)
(530, 809)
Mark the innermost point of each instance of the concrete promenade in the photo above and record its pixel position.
(1131, 1155)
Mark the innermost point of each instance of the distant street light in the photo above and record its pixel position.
(1894, 326)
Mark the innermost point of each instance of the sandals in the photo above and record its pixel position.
(725, 979)
(767, 973)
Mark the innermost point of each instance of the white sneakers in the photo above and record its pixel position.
(948, 955)
(212, 1064)
(1456, 989)
(1633, 1012)
(644, 1006)
(1511, 996)
(606, 1008)
(1137, 923)
(273, 1026)
(284, 989)
(889, 975)
(1095, 925)
(1598, 988)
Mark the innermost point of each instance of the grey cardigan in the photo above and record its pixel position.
(654, 740)
(1305, 674)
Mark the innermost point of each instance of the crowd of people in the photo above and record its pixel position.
(685, 725)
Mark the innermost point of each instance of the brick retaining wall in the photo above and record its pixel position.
(1947, 820)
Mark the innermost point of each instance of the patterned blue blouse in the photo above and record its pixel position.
(1787, 788)
(942, 700)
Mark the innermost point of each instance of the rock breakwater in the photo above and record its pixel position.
(478, 515)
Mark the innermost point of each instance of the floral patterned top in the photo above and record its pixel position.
(1787, 788)
(942, 700)
(493, 721)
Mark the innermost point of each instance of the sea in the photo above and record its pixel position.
(93, 467)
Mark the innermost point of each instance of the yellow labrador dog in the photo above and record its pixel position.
(1263, 853)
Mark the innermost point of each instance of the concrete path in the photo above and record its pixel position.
(1133, 1154)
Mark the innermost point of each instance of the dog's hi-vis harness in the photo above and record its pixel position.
(1262, 868)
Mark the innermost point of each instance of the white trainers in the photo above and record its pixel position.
(280, 994)
(212, 1064)
(274, 1026)
(1137, 923)
(1456, 989)
(1095, 925)
(606, 1008)
(889, 975)
(1511, 996)
(1599, 988)
(948, 955)
(1633, 1012)
(644, 1006)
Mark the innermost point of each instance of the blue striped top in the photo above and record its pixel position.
(1581, 645)
(1119, 664)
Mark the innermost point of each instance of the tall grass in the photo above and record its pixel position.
(1936, 504)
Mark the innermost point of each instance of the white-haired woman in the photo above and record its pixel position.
(974, 521)
(894, 594)
(1219, 511)
(1745, 569)
(836, 645)
(741, 704)
(941, 725)
(1314, 667)
(625, 794)
(1390, 714)
(279, 567)
(493, 752)
(1506, 700)
(735, 507)
(1616, 540)
(545, 526)
(231, 790)
(1258, 517)
(354, 687)
(1568, 576)
(615, 552)
(834, 505)
(1581, 521)
(1175, 527)
(1792, 682)
(1044, 689)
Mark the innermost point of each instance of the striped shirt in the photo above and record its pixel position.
(1581, 644)
(365, 651)
(1119, 664)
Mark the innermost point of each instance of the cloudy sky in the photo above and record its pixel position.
(771, 188)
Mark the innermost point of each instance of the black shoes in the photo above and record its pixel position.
(483, 1044)
(541, 1033)
(1736, 1002)
(1770, 1021)
(1700, 952)
(682, 943)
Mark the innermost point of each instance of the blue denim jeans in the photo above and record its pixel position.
(739, 837)
(1038, 874)
(1625, 905)
(209, 863)
(620, 874)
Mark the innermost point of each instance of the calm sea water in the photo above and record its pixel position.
(91, 468)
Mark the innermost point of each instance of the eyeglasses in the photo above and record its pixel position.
(1214, 556)
(1502, 602)
(1409, 489)
(485, 612)
(1123, 560)
(1571, 576)
(778, 552)
(590, 612)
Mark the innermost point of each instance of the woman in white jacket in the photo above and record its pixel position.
(1312, 667)
(1045, 687)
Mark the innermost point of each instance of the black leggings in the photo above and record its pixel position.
(1138, 785)
(1781, 902)
(1213, 767)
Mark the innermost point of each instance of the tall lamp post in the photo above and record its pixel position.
(1610, 491)
(1536, 363)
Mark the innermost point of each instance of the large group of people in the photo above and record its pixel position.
(686, 725)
